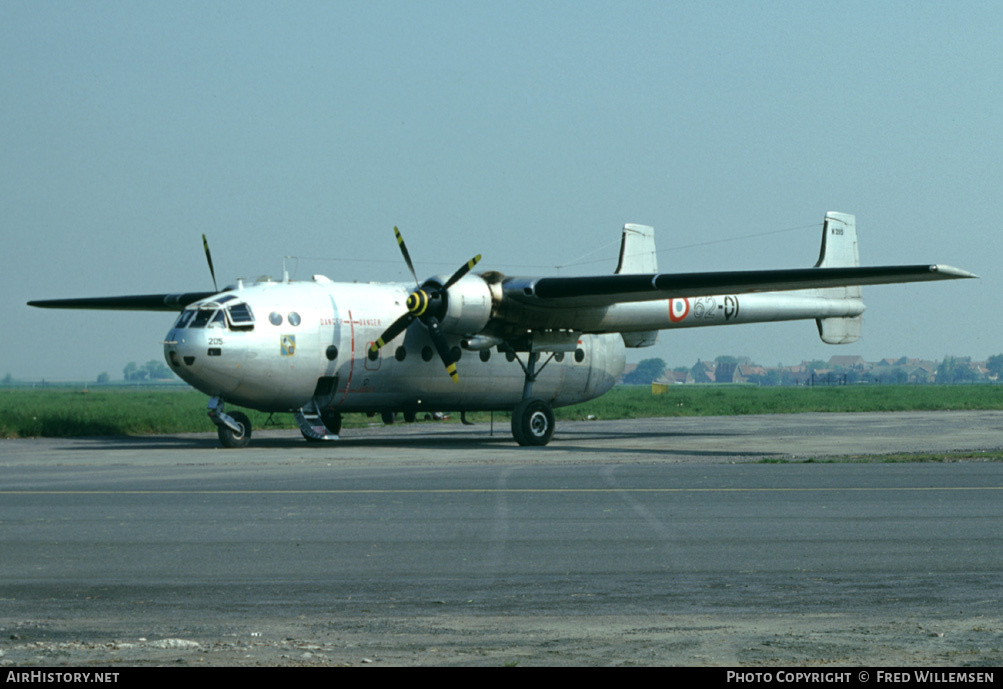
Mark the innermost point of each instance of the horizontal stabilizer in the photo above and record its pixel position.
(612, 289)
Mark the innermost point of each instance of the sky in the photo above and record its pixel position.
(528, 132)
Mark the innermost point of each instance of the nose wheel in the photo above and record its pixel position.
(231, 438)
(233, 429)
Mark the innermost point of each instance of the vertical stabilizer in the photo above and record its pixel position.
(637, 255)
(637, 250)
(839, 242)
(839, 250)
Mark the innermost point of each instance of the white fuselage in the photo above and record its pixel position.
(281, 362)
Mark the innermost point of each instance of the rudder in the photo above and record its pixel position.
(839, 250)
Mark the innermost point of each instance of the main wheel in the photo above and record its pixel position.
(230, 438)
(388, 417)
(533, 422)
(332, 421)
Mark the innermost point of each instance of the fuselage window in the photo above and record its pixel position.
(294, 318)
(275, 318)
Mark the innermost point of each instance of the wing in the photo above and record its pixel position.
(139, 302)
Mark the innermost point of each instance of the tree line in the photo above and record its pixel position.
(950, 370)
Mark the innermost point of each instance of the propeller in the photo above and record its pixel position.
(208, 257)
(426, 304)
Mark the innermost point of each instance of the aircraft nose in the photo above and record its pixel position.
(199, 358)
(181, 348)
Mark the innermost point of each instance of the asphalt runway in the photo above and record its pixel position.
(649, 542)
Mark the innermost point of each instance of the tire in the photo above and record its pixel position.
(532, 423)
(332, 421)
(388, 417)
(410, 416)
(229, 439)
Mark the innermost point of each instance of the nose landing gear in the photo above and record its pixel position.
(234, 429)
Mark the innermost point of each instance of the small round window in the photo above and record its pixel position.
(294, 318)
(275, 318)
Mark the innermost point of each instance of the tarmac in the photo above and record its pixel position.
(743, 541)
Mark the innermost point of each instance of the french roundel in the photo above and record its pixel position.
(678, 309)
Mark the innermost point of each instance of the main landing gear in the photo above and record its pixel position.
(532, 418)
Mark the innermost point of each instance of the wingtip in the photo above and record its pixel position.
(950, 272)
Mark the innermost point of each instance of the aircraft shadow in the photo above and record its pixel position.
(450, 438)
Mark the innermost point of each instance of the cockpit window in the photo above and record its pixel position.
(236, 316)
(202, 317)
(183, 319)
(223, 300)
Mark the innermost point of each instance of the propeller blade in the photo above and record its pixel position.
(208, 257)
(442, 346)
(407, 256)
(395, 329)
(464, 269)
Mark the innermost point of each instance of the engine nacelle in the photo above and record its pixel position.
(468, 306)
